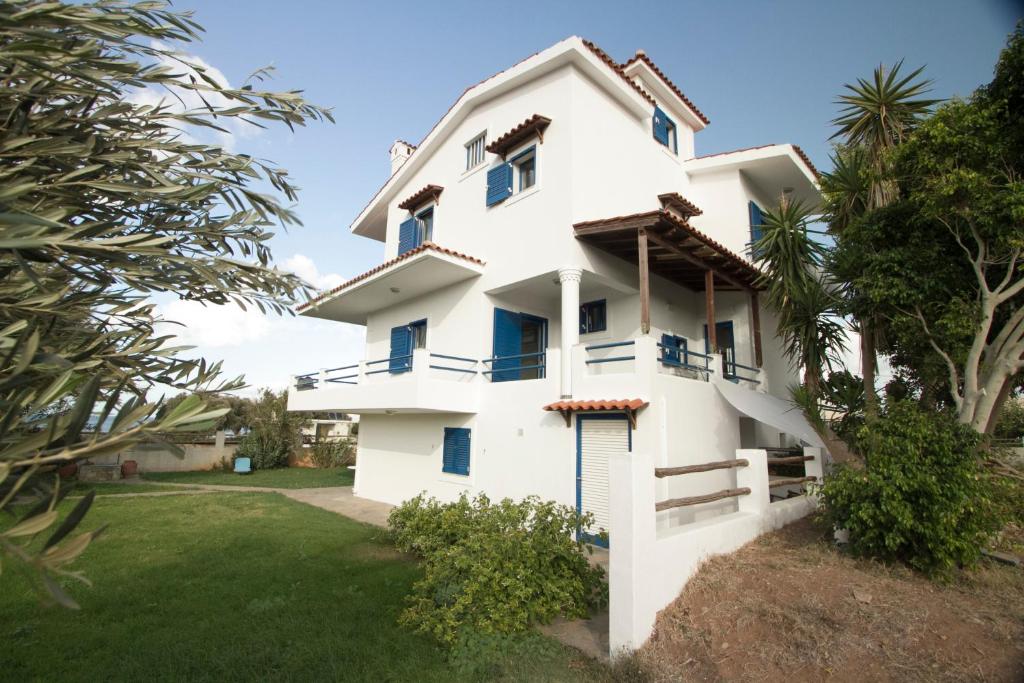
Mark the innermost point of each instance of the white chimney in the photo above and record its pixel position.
(400, 151)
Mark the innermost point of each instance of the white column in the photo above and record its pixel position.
(569, 278)
(755, 477)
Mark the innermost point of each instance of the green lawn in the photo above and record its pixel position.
(286, 478)
(103, 488)
(241, 587)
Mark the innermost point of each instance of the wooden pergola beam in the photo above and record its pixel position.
(696, 261)
(645, 282)
(709, 302)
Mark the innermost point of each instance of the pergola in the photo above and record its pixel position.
(663, 242)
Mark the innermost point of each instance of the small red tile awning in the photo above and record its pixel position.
(428, 193)
(629, 406)
(535, 125)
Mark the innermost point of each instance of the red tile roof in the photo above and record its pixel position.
(603, 56)
(671, 86)
(796, 148)
(535, 125)
(613, 404)
(421, 197)
(426, 246)
(681, 203)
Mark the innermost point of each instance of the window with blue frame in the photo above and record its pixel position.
(756, 228)
(404, 339)
(593, 317)
(520, 340)
(725, 344)
(512, 177)
(665, 131)
(455, 458)
(416, 230)
(673, 350)
(525, 165)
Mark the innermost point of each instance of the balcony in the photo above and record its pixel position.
(420, 382)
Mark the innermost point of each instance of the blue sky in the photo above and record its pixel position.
(763, 72)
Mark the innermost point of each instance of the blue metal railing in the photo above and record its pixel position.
(451, 368)
(399, 367)
(667, 351)
(609, 345)
(506, 373)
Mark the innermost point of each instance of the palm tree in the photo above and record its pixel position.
(797, 288)
(877, 115)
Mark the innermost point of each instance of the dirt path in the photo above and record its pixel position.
(788, 607)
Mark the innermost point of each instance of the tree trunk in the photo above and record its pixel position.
(867, 368)
(997, 409)
(837, 448)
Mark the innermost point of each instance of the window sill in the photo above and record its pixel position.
(457, 479)
(473, 171)
(522, 195)
(674, 156)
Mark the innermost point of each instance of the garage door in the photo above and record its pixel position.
(599, 437)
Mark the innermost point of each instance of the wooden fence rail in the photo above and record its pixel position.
(662, 472)
(791, 460)
(697, 500)
(790, 482)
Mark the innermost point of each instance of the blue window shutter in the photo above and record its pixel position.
(401, 347)
(756, 227)
(661, 126)
(508, 341)
(499, 184)
(407, 236)
(455, 459)
(670, 350)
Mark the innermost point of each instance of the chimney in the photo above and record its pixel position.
(400, 151)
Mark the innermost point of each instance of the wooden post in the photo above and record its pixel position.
(755, 313)
(709, 297)
(645, 283)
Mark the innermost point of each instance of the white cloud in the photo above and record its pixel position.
(188, 100)
(213, 326)
(303, 266)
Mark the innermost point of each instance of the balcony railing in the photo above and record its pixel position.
(359, 373)
(669, 357)
(511, 368)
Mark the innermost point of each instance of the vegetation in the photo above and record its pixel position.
(107, 195)
(333, 453)
(284, 591)
(282, 478)
(494, 568)
(274, 432)
(924, 498)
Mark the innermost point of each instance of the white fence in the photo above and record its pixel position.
(649, 566)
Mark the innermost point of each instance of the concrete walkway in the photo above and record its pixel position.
(337, 499)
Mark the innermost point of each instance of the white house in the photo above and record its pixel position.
(566, 292)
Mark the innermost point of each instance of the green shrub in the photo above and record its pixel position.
(495, 568)
(923, 498)
(266, 449)
(332, 453)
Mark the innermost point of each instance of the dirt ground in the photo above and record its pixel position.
(788, 607)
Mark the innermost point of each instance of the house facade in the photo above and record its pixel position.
(564, 281)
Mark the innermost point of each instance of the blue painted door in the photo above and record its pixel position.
(400, 358)
(725, 345)
(507, 345)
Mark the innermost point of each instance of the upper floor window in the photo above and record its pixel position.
(416, 230)
(665, 130)
(475, 151)
(756, 228)
(526, 169)
(593, 317)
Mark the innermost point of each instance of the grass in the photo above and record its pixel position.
(103, 488)
(244, 586)
(285, 478)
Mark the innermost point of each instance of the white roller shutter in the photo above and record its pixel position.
(598, 440)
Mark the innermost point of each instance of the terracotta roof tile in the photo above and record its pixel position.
(612, 404)
(682, 204)
(603, 56)
(535, 125)
(426, 246)
(421, 197)
(796, 148)
(671, 86)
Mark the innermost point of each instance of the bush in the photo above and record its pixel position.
(923, 499)
(332, 453)
(494, 568)
(266, 449)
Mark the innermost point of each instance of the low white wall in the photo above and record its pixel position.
(649, 566)
(157, 458)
